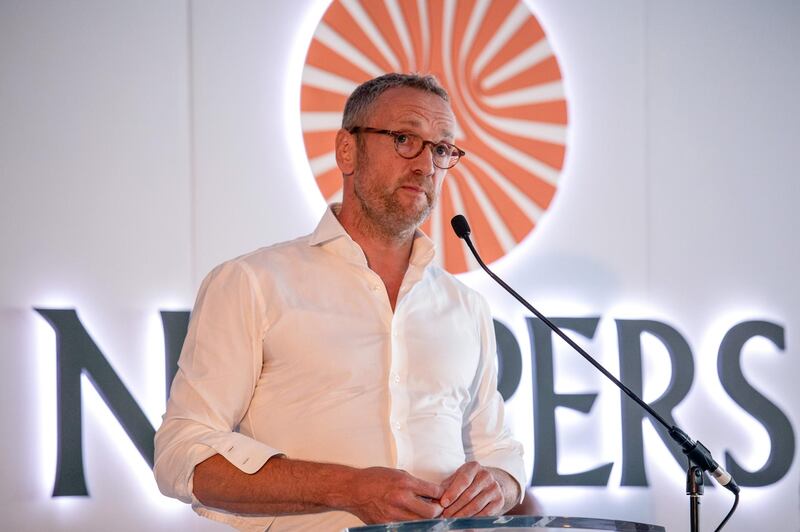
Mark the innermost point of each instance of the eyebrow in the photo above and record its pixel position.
(446, 134)
(411, 122)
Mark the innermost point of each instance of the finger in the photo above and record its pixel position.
(495, 505)
(463, 500)
(492, 509)
(483, 481)
(446, 482)
(423, 508)
(423, 488)
(485, 503)
(461, 480)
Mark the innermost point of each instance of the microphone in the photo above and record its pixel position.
(695, 451)
(460, 226)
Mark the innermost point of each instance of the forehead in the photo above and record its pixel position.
(405, 107)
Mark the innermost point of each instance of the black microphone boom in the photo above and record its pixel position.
(695, 451)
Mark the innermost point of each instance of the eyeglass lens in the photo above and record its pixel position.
(409, 145)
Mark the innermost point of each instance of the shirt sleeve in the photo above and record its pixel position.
(217, 373)
(486, 438)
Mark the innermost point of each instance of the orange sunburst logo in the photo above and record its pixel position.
(505, 89)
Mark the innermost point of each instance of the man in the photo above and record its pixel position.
(342, 378)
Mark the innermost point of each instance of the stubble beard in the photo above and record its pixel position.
(384, 214)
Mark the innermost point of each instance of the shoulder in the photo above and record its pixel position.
(257, 266)
(267, 256)
(264, 256)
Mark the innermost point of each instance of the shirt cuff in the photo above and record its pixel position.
(511, 464)
(247, 454)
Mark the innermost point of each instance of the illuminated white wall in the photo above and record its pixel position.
(143, 143)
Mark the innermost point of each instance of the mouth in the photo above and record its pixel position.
(417, 194)
(415, 187)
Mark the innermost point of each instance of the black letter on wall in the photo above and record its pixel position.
(545, 402)
(176, 323)
(509, 361)
(776, 423)
(630, 362)
(76, 353)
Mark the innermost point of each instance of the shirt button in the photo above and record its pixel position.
(396, 377)
(396, 425)
(374, 288)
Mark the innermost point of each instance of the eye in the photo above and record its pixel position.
(401, 138)
(442, 150)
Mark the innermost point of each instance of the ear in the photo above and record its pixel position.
(345, 152)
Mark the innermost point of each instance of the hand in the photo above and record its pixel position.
(474, 490)
(383, 495)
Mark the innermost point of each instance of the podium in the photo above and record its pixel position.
(512, 523)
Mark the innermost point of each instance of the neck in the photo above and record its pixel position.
(388, 251)
(380, 244)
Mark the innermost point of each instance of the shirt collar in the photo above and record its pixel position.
(329, 229)
(422, 250)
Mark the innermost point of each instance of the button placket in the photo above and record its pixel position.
(411, 277)
(397, 391)
(375, 287)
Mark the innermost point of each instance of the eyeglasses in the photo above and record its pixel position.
(409, 146)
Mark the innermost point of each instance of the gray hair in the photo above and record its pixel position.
(360, 101)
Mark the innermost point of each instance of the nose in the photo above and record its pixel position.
(423, 163)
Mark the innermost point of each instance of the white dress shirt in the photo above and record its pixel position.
(294, 349)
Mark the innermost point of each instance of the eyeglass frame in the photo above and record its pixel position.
(394, 134)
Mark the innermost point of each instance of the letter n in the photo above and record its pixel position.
(77, 354)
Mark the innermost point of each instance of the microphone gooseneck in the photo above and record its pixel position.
(694, 450)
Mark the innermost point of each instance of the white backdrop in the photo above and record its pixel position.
(143, 143)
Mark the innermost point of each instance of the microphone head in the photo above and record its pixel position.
(460, 226)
